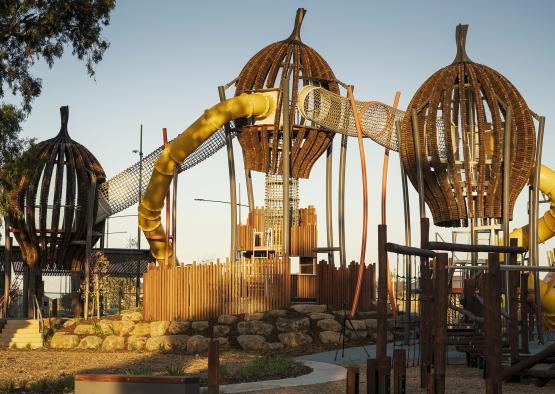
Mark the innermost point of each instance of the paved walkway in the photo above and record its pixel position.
(321, 373)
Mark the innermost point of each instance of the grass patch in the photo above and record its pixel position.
(138, 370)
(175, 370)
(61, 384)
(264, 368)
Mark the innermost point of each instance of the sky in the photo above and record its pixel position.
(166, 60)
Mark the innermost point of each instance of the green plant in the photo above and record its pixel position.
(28, 346)
(61, 384)
(142, 369)
(174, 370)
(97, 328)
(268, 367)
(223, 371)
(8, 386)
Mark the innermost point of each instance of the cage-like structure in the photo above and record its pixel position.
(262, 144)
(462, 161)
(48, 209)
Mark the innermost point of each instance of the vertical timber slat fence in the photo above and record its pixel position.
(202, 291)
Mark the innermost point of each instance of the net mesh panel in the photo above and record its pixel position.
(122, 191)
(334, 112)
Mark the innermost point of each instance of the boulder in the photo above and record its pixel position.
(113, 342)
(84, 329)
(133, 316)
(227, 319)
(331, 337)
(136, 343)
(220, 330)
(356, 334)
(275, 346)
(69, 323)
(224, 342)
(254, 316)
(329, 325)
(107, 327)
(371, 323)
(64, 341)
(123, 327)
(357, 325)
(252, 342)
(178, 341)
(178, 327)
(199, 326)
(285, 325)
(197, 344)
(277, 313)
(90, 342)
(294, 339)
(321, 316)
(158, 344)
(158, 328)
(309, 308)
(255, 327)
(141, 330)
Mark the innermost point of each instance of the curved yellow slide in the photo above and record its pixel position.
(546, 230)
(261, 105)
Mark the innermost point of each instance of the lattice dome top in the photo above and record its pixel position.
(463, 171)
(269, 69)
(48, 210)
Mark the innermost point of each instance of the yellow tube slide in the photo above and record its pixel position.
(546, 230)
(246, 105)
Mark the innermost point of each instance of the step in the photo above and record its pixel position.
(22, 329)
(17, 345)
(20, 336)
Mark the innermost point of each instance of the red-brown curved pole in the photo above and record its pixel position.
(384, 213)
(356, 115)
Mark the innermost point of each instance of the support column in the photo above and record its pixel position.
(7, 270)
(329, 207)
(341, 200)
(232, 184)
(286, 237)
(506, 191)
(250, 194)
(88, 241)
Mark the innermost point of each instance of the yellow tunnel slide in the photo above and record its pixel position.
(260, 104)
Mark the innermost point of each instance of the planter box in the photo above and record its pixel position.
(126, 384)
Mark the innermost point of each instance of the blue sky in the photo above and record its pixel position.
(167, 58)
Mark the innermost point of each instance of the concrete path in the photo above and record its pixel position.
(321, 373)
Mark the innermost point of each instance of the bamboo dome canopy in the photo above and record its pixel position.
(462, 161)
(48, 209)
(269, 68)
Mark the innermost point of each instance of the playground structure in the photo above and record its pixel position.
(468, 144)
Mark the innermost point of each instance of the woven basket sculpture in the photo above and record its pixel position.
(48, 210)
(268, 69)
(462, 161)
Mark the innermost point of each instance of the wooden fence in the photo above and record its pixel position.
(303, 286)
(203, 291)
(336, 285)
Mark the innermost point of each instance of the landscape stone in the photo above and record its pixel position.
(178, 341)
(107, 327)
(227, 319)
(123, 327)
(84, 329)
(141, 330)
(357, 325)
(329, 325)
(64, 341)
(90, 342)
(221, 330)
(199, 326)
(113, 342)
(309, 308)
(356, 334)
(133, 316)
(252, 342)
(275, 346)
(320, 316)
(158, 344)
(178, 327)
(331, 337)
(254, 316)
(285, 325)
(158, 328)
(277, 313)
(224, 342)
(371, 323)
(197, 344)
(136, 343)
(69, 323)
(255, 327)
(294, 339)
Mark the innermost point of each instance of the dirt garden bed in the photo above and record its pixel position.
(50, 371)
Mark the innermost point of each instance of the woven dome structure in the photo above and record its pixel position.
(462, 161)
(268, 69)
(48, 210)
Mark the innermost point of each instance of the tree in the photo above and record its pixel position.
(30, 31)
(98, 268)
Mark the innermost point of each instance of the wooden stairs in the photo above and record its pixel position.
(20, 334)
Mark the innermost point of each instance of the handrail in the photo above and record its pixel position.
(37, 314)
